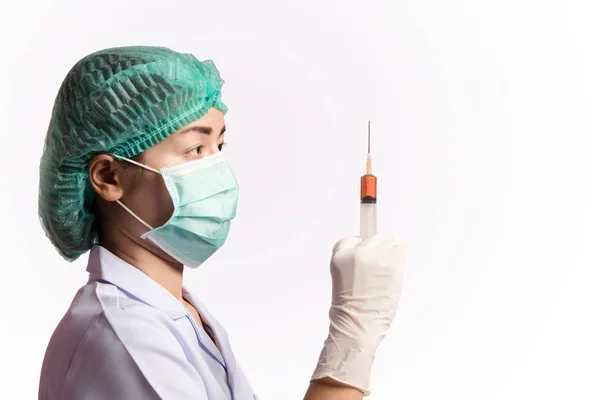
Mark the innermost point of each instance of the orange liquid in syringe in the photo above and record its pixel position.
(368, 188)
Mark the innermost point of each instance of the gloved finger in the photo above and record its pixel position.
(400, 252)
(377, 239)
(346, 243)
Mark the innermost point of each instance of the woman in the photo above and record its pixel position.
(132, 170)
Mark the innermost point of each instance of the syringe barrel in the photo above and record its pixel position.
(368, 219)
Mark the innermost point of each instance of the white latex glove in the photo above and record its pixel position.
(367, 282)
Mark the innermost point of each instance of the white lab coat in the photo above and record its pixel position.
(125, 337)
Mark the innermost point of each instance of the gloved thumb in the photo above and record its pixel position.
(346, 243)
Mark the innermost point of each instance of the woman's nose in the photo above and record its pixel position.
(211, 149)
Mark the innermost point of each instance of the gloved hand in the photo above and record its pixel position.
(367, 282)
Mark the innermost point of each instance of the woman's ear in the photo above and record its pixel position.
(106, 177)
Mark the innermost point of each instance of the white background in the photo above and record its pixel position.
(485, 140)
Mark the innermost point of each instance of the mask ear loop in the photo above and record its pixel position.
(136, 163)
(121, 203)
(133, 215)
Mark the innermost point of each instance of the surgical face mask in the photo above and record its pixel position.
(204, 194)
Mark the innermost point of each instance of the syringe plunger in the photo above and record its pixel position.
(368, 219)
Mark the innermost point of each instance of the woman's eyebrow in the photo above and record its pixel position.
(207, 130)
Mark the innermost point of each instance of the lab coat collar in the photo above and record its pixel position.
(105, 266)
(219, 332)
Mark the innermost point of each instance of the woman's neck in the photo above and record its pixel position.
(146, 257)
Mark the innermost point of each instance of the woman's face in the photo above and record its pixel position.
(144, 191)
(148, 197)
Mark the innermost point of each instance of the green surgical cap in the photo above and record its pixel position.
(121, 101)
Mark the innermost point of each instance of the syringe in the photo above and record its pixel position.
(368, 197)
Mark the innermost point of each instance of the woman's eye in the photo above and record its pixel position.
(196, 151)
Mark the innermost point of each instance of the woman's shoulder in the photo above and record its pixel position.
(102, 309)
(102, 324)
